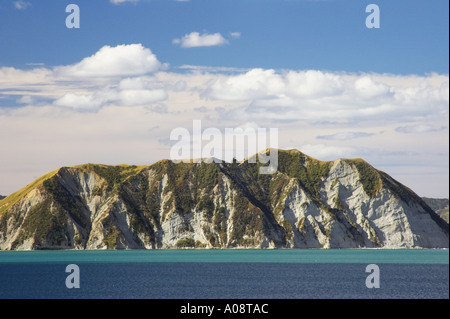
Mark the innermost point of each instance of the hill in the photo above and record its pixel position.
(306, 203)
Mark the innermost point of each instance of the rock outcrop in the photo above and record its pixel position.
(306, 203)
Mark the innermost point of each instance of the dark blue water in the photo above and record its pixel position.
(223, 281)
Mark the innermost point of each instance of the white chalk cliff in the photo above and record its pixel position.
(306, 203)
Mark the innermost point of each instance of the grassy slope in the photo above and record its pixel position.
(15, 197)
(112, 174)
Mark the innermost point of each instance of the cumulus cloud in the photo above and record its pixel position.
(16, 78)
(112, 76)
(138, 91)
(369, 89)
(78, 101)
(255, 84)
(312, 83)
(129, 92)
(141, 97)
(343, 136)
(195, 39)
(122, 60)
(265, 84)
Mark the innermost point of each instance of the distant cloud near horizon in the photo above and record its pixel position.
(344, 136)
(422, 128)
(195, 39)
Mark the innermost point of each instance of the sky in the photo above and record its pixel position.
(112, 90)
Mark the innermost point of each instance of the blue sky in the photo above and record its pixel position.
(295, 34)
(112, 91)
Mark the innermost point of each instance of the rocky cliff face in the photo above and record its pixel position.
(306, 203)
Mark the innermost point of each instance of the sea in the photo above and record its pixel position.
(226, 274)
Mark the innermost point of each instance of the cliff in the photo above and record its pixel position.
(306, 203)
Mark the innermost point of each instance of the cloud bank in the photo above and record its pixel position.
(120, 104)
(324, 96)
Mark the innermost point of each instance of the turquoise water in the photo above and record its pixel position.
(226, 274)
(365, 256)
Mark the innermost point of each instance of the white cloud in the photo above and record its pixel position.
(195, 39)
(255, 84)
(267, 84)
(81, 102)
(369, 89)
(122, 60)
(129, 92)
(139, 91)
(313, 83)
(141, 97)
(16, 78)
(21, 5)
(331, 97)
(136, 83)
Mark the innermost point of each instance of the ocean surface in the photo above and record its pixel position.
(226, 274)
